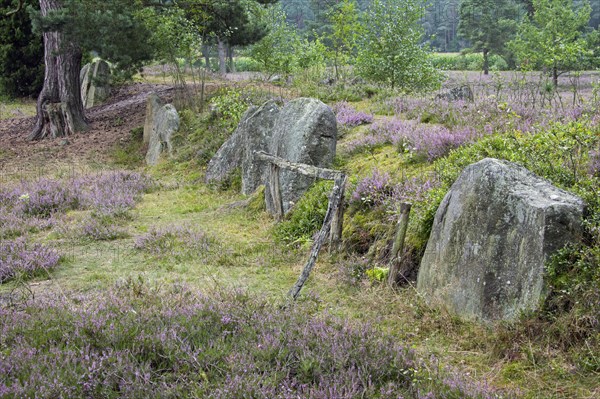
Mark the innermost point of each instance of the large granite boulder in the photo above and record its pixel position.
(166, 122)
(153, 104)
(95, 83)
(258, 136)
(491, 236)
(305, 132)
(230, 155)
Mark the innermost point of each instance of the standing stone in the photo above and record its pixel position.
(229, 157)
(153, 104)
(258, 135)
(491, 235)
(305, 132)
(166, 122)
(95, 83)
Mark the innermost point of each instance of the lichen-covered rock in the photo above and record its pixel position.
(230, 155)
(305, 132)
(153, 104)
(258, 129)
(166, 122)
(462, 93)
(95, 83)
(491, 236)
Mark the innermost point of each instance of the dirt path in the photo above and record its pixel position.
(109, 123)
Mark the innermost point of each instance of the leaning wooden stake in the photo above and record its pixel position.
(335, 202)
(398, 246)
(275, 189)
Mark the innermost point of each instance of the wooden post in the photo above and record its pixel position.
(275, 188)
(398, 246)
(337, 224)
(334, 203)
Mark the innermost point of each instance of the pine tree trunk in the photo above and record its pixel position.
(222, 55)
(60, 110)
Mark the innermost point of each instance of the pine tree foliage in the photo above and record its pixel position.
(21, 52)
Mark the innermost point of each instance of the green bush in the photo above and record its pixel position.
(307, 216)
(245, 64)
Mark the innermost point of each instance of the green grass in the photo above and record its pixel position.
(246, 255)
(16, 108)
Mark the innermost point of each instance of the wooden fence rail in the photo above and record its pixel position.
(332, 225)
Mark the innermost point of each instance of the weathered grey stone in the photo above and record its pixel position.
(95, 83)
(305, 132)
(258, 134)
(463, 93)
(153, 104)
(230, 155)
(166, 122)
(492, 233)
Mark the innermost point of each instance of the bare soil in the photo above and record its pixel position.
(110, 123)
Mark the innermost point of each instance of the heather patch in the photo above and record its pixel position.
(378, 190)
(415, 139)
(37, 205)
(174, 243)
(20, 258)
(349, 117)
(137, 342)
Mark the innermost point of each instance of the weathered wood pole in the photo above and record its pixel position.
(398, 246)
(332, 209)
(275, 189)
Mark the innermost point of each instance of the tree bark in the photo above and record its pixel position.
(60, 110)
(222, 56)
(486, 61)
(230, 59)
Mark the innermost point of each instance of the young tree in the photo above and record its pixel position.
(553, 38)
(389, 49)
(488, 25)
(345, 31)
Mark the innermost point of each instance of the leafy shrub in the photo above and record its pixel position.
(229, 105)
(245, 64)
(20, 258)
(306, 218)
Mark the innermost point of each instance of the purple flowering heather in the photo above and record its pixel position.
(177, 242)
(378, 190)
(420, 140)
(347, 116)
(223, 345)
(19, 257)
